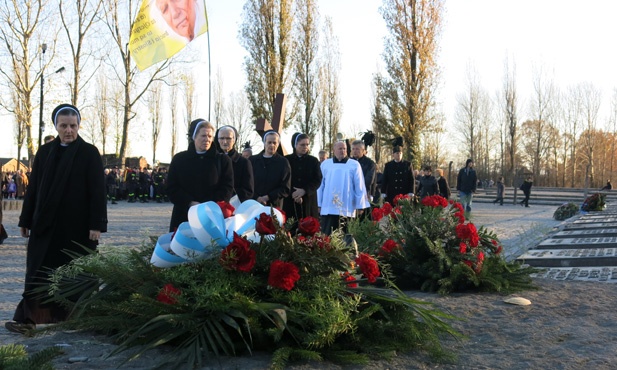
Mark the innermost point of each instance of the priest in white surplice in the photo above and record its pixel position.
(342, 193)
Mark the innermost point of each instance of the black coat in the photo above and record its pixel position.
(369, 170)
(243, 175)
(428, 186)
(467, 180)
(197, 178)
(305, 174)
(66, 198)
(397, 179)
(444, 188)
(272, 177)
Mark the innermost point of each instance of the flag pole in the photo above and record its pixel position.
(209, 66)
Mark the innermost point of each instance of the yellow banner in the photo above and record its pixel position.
(163, 27)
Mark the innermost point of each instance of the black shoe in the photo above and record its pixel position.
(20, 327)
(114, 202)
(527, 206)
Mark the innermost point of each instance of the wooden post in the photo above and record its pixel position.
(278, 119)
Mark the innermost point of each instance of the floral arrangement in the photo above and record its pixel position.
(594, 202)
(304, 296)
(565, 211)
(430, 246)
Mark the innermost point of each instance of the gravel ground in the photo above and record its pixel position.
(570, 325)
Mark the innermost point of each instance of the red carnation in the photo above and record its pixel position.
(368, 266)
(349, 277)
(386, 209)
(168, 294)
(376, 214)
(283, 275)
(238, 256)
(400, 197)
(499, 249)
(308, 226)
(462, 247)
(481, 256)
(388, 247)
(228, 209)
(265, 224)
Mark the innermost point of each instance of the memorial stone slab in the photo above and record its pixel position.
(606, 274)
(587, 221)
(586, 232)
(570, 257)
(589, 242)
(583, 226)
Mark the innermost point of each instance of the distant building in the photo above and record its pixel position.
(11, 164)
(110, 161)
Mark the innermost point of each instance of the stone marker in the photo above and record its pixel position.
(585, 232)
(589, 242)
(570, 257)
(598, 225)
(607, 274)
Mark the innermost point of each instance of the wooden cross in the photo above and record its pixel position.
(278, 118)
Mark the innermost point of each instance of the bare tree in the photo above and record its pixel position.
(329, 109)
(591, 99)
(85, 14)
(572, 118)
(239, 115)
(22, 23)
(188, 87)
(219, 98)
(542, 113)
(102, 103)
(307, 65)
(119, 17)
(266, 35)
(20, 126)
(410, 58)
(173, 102)
(510, 112)
(155, 104)
(472, 114)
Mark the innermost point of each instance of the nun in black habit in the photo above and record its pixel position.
(305, 179)
(225, 139)
(198, 174)
(271, 172)
(63, 210)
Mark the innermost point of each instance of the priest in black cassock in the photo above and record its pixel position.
(272, 174)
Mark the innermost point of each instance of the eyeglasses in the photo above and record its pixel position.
(225, 138)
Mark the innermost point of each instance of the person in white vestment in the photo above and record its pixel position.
(342, 193)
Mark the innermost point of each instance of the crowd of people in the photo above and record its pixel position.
(65, 197)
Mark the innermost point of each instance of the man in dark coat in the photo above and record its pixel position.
(369, 168)
(466, 183)
(199, 174)
(226, 137)
(428, 183)
(271, 172)
(526, 188)
(65, 208)
(398, 176)
(305, 180)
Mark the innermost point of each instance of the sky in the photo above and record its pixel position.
(571, 40)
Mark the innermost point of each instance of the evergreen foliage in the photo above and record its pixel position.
(429, 246)
(206, 309)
